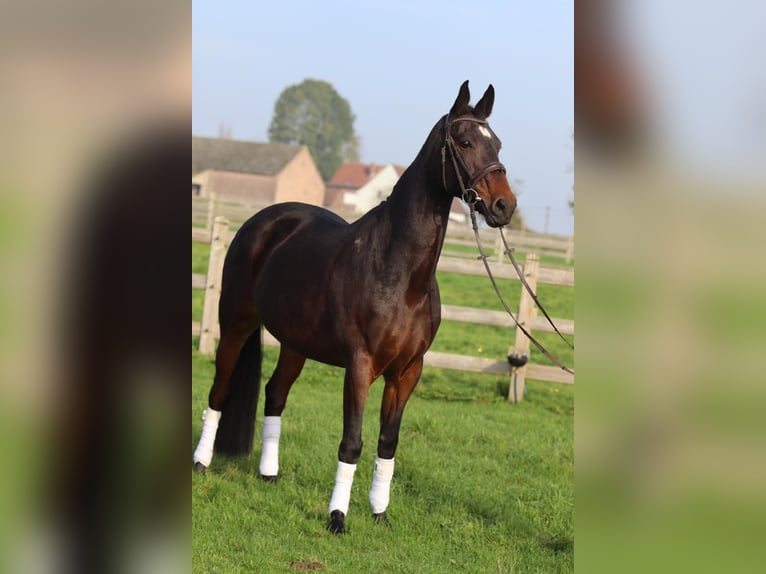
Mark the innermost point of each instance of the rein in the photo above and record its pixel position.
(471, 197)
(509, 251)
(529, 336)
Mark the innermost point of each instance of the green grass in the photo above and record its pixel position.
(481, 485)
(200, 255)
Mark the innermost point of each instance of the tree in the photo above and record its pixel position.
(313, 114)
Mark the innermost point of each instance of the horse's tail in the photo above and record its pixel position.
(235, 430)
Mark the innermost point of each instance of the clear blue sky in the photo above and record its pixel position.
(400, 63)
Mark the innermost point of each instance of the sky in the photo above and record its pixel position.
(399, 63)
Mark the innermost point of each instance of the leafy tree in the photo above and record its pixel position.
(313, 114)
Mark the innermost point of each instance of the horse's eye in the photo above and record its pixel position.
(465, 144)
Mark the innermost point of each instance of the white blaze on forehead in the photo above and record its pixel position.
(485, 132)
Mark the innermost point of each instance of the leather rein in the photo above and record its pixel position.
(471, 197)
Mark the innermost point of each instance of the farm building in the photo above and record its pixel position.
(254, 172)
(357, 187)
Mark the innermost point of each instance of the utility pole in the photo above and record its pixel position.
(547, 217)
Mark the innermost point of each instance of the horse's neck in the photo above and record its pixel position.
(419, 213)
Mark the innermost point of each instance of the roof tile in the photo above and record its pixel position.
(241, 156)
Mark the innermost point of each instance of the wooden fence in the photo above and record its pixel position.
(205, 210)
(220, 236)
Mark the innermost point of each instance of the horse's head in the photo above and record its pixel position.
(470, 165)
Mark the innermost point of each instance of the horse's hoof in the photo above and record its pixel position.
(381, 518)
(337, 522)
(199, 468)
(270, 478)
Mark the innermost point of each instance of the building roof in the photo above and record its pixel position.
(355, 175)
(240, 156)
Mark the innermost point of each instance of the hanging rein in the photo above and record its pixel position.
(471, 197)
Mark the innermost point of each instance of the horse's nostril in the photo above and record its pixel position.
(501, 207)
(502, 210)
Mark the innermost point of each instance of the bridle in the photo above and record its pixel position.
(467, 193)
(471, 197)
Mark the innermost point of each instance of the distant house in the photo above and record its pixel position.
(357, 187)
(377, 189)
(458, 211)
(254, 172)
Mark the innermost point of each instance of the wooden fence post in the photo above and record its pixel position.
(570, 249)
(211, 205)
(499, 249)
(520, 350)
(209, 322)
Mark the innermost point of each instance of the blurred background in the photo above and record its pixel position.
(95, 116)
(670, 143)
(670, 159)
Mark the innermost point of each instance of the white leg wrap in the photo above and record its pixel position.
(341, 494)
(381, 484)
(272, 427)
(204, 450)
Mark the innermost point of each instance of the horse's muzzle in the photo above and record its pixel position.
(502, 210)
(499, 212)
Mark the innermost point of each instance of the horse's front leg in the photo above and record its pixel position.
(355, 386)
(399, 387)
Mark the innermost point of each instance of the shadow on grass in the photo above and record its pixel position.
(440, 395)
(461, 387)
(558, 544)
(223, 465)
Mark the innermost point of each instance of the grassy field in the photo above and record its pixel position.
(481, 485)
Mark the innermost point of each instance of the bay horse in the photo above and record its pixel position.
(362, 296)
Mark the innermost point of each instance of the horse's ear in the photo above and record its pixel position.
(460, 106)
(484, 107)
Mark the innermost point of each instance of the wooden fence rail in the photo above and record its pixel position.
(208, 331)
(204, 210)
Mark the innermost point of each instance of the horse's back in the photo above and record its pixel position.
(281, 219)
(264, 233)
(271, 226)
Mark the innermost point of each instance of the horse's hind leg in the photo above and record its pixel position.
(229, 347)
(289, 366)
(232, 340)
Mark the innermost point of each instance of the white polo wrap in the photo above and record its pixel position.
(204, 451)
(272, 428)
(341, 494)
(381, 484)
